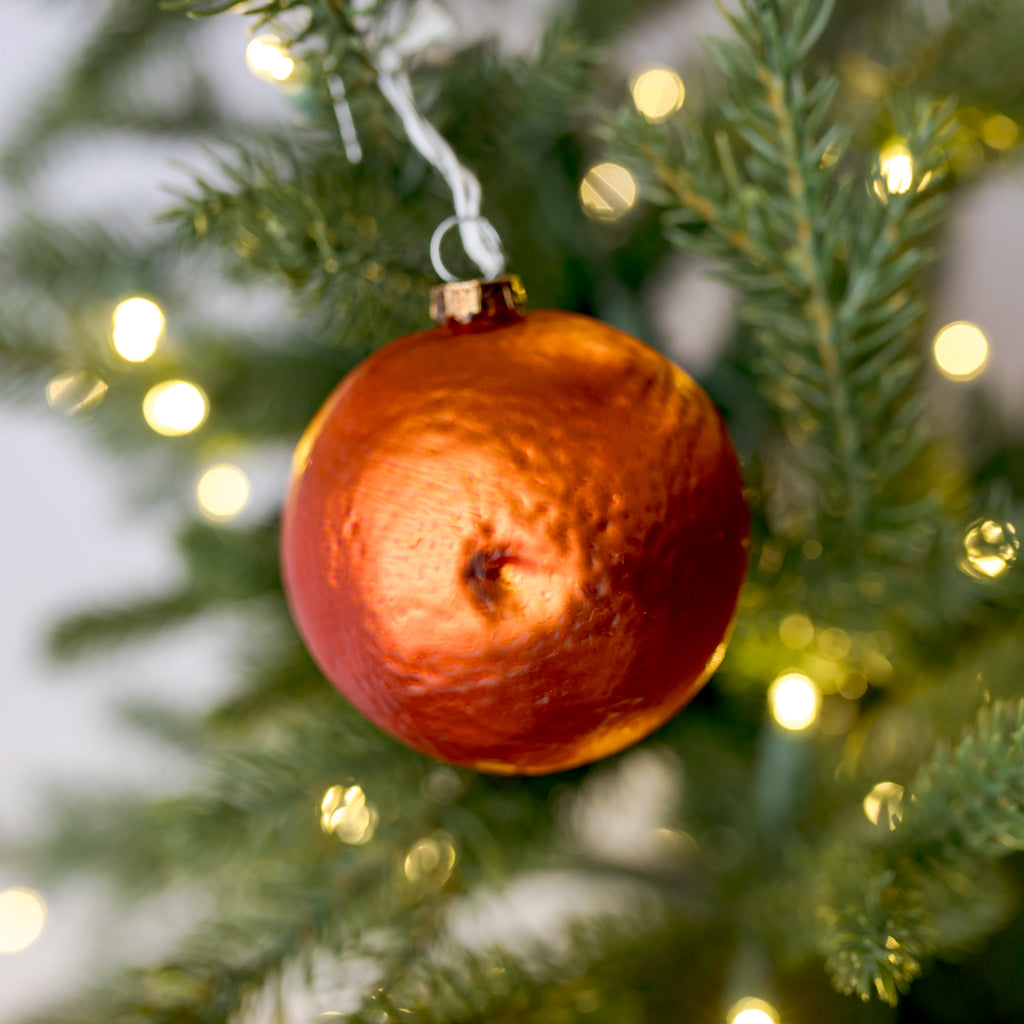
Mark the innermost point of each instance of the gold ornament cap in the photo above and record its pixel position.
(464, 301)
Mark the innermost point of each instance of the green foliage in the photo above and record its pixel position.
(827, 270)
(892, 899)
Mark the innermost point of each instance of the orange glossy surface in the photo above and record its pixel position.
(518, 547)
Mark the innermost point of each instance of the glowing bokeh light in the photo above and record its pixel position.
(266, 58)
(796, 631)
(430, 860)
(658, 93)
(960, 350)
(884, 803)
(174, 407)
(607, 191)
(1000, 132)
(222, 492)
(794, 700)
(752, 1011)
(990, 548)
(345, 814)
(74, 391)
(22, 917)
(137, 324)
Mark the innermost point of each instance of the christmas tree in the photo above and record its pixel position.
(829, 831)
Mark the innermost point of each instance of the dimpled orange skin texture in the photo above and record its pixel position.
(516, 546)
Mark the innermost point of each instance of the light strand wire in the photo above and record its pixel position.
(343, 113)
(479, 238)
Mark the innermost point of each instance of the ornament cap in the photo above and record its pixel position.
(464, 301)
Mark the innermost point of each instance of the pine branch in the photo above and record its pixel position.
(889, 904)
(973, 794)
(827, 271)
(589, 973)
(223, 567)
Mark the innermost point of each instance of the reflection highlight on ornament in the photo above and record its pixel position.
(344, 813)
(430, 860)
(607, 192)
(795, 701)
(884, 803)
(22, 918)
(990, 548)
(75, 391)
(136, 327)
(174, 407)
(752, 1011)
(658, 93)
(960, 350)
(222, 492)
(266, 58)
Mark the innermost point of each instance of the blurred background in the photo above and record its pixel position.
(78, 530)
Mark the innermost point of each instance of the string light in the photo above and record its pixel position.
(137, 324)
(267, 58)
(752, 1011)
(795, 701)
(174, 407)
(961, 350)
(658, 93)
(885, 797)
(75, 391)
(607, 191)
(990, 548)
(222, 492)
(897, 167)
(345, 814)
(22, 917)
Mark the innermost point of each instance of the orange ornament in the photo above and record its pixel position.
(515, 542)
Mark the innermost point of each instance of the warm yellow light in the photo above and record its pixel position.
(961, 350)
(137, 326)
(897, 167)
(835, 643)
(22, 916)
(430, 859)
(607, 191)
(266, 58)
(174, 407)
(886, 797)
(74, 391)
(796, 631)
(222, 492)
(658, 93)
(752, 1011)
(1000, 132)
(345, 814)
(990, 548)
(795, 701)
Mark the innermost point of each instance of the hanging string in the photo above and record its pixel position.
(479, 238)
